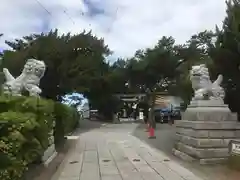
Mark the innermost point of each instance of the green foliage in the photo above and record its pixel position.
(226, 55)
(67, 118)
(74, 63)
(25, 124)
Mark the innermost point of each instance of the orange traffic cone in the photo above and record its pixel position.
(151, 134)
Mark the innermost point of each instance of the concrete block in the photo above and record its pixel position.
(208, 133)
(221, 134)
(192, 133)
(183, 156)
(201, 153)
(213, 161)
(237, 134)
(208, 125)
(200, 143)
(213, 153)
(199, 133)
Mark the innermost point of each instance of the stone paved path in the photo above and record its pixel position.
(113, 154)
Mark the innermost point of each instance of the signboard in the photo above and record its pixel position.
(235, 147)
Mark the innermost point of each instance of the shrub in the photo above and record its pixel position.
(67, 119)
(25, 123)
(24, 133)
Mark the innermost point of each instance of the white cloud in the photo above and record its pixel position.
(126, 25)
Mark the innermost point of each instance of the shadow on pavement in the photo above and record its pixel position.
(165, 135)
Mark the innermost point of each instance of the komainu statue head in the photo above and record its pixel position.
(34, 67)
(199, 76)
(204, 88)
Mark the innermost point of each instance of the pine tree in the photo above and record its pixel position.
(227, 54)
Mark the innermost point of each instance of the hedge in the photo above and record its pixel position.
(25, 123)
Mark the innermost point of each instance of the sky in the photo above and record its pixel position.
(126, 25)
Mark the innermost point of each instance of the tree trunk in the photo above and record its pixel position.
(152, 99)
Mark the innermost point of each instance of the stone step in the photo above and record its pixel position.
(208, 125)
(205, 161)
(202, 153)
(212, 134)
(203, 143)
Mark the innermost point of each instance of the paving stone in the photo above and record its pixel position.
(75, 158)
(80, 146)
(68, 178)
(145, 168)
(89, 176)
(165, 172)
(145, 154)
(183, 172)
(132, 176)
(111, 177)
(90, 146)
(134, 157)
(126, 167)
(108, 169)
(90, 156)
(106, 154)
(89, 166)
(151, 176)
(71, 171)
(118, 155)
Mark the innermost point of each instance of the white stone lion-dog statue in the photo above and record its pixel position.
(28, 80)
(204, 88)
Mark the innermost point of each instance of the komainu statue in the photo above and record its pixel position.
(28, 80)
(204, 88)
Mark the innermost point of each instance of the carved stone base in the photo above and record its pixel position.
(205, 133)
(207, 103)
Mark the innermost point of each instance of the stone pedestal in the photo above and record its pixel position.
(204, 133)
(50, 153)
